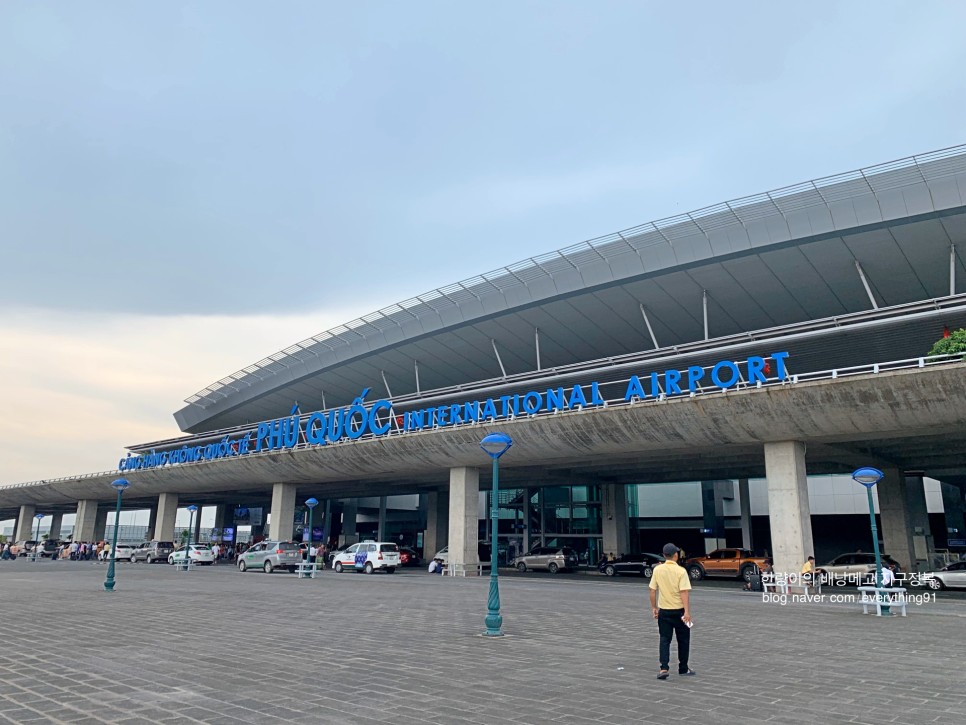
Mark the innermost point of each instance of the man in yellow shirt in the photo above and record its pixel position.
(670, 592)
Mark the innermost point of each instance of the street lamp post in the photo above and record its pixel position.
(120, 485)
(33, 554)
(495, 445)
(869, 477)
(187, 549)
(311, 503)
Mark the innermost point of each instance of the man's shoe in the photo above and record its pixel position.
(663, 675)
(689, 673)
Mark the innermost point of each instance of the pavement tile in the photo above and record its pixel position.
(406, 649)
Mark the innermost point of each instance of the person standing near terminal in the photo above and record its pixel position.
(670, 592)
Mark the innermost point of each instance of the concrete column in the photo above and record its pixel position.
(56, 520)
(526, 520)
(152, 522)
(25, 523)
(464, 507)
(84, 521)
(100, 524)
(437, 523)
(196, 534)
(906, 536)
(923, 543)
(327, 522)
(744, 502)
(165, 517)
(283, 512)
(349, 510)
(712, 503)
(788, 512)
(381, 526)
(221, 516)
(616, 531)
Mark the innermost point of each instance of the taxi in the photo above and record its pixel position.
(368, 556)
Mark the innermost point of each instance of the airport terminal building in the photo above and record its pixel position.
(741, 348)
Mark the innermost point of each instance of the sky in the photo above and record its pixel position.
(186, 188)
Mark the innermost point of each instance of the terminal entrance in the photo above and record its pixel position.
(565, 516)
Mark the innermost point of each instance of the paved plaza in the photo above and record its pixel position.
(217, 646)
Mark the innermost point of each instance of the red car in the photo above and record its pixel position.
(408, 556)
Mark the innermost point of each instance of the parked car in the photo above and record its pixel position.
(124, 552)
(50, 547)
(637, 564)
(271, 555)
(949, 577)
(198, 553)
(482, 552)
(25, 548)
(408, 556)
(152, 551)
(853, 567)
(551, 558)
(740, 563)
(368, 556)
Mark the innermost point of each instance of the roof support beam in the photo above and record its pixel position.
(497, 353)
(650, 329)
(704, 304)
(865, 283)
(952, 269)
(416, 368)
(385, 382)
(536, 343)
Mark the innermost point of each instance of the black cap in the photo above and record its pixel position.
(670, 550)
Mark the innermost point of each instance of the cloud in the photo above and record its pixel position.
(79, 387)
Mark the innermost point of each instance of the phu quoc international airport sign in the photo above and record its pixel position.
(378, 418)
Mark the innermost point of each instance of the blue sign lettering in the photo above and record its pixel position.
(358, 419)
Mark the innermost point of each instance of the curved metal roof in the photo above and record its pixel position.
(774, 258)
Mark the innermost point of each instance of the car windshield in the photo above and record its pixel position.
(388, 547)
(287, 546)
(165, 544)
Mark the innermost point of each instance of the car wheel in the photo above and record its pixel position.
(338, 567)
(521, 567)
(242, 566)
(391, 570)
(936, 583)
(149, 560)
(648, 572)
(696, 573)
(552, 568)
(369, 568)
(748, 571)
(609, 570)
(171, 560)
(267, 567)
(133, 560)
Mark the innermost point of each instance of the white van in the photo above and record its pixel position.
(368, 556)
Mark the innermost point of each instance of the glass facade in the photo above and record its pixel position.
(549, 516)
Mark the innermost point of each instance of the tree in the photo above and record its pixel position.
(955, 343)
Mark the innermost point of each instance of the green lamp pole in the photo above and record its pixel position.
(494, 445)
(187, 549)
(311, 503)
(120, 485)
(869, 477)
(33, 554)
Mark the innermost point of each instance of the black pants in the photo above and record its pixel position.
(668, 623)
